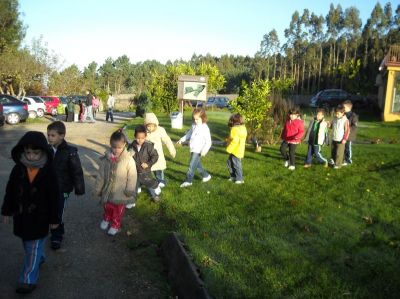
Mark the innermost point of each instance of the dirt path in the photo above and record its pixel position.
(90, 263)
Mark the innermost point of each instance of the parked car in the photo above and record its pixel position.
(219, 102)
(14, 110)
(2, 118)
(36, 107)
(330, 98)
(51, 104)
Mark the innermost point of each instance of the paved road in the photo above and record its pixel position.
(90, 264)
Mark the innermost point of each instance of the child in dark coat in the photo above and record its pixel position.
(69, 173)
(31, 198)
(145, 156)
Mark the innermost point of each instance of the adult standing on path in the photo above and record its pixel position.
(89, 106)
(110, 107)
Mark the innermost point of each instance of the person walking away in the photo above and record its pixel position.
(89, 107)
(340, 134)
(116, 183)
(95, 105)
(236, 144)
(145, 156)
(110, 107)
(316, 136)
(69, 174)
(158, 136)
(291, 136)
(31, 198)
(353, 122)
(199, 143)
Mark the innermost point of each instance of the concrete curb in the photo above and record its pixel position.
(182, 273)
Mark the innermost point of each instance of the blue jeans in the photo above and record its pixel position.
(195, 164)
(235, 167)
(159, 174)
(34, 256)
(109, 114)
(348, 153)
(314, 150)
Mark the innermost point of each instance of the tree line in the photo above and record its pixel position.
(331, 51)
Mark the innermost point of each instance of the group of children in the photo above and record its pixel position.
(344, 130)
(47, 171)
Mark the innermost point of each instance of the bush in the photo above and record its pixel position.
(143, 103)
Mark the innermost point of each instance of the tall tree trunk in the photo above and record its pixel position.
(320, 66)
(308, 78)
(268, 68)
(274, 65)
(302, 79)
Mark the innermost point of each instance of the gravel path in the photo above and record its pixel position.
(90, 264)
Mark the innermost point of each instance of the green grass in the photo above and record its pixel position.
(309, 233)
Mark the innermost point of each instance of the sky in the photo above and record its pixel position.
(82, 31)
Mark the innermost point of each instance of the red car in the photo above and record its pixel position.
(51, 104)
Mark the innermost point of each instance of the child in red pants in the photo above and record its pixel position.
(116, 183)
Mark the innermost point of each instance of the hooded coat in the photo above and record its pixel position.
(116, 182)
(159, 137)
(34, 206)
(237, 141)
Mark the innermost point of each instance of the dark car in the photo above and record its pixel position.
(14, 110)
(219, 102)
(330, 98)
(1, 115)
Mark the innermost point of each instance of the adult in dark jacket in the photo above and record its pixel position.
(31, 198)
(89, 107)
(145, 156)
(69, 173)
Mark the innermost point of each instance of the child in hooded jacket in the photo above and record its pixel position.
(316, 136)
(236, 144)
(116, 183)
(158, 136)
(31, 198)
(200, 143)
(291, 135)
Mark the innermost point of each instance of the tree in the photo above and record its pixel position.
(12, 30)
(68, 81)
(253, 103)
(270, 47)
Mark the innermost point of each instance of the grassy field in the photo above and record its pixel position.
(309, 233)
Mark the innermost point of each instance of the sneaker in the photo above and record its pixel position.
(207, 178)
(326, 164)
(25, 288)
(291, 167)
(55, 245)
(130, 205)
(239, 182)
(336, 167)
(331, 162)
(113, 231)
(139, 190)
(345, 164)
(157, 191)
(104, 224)
(232, 179)
(286, 163)
(161, 185)
(185, 184)
(156, 198)
(307, 165)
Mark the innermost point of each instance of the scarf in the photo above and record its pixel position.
(35, 164)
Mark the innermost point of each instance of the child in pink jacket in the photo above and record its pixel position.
(291, 136)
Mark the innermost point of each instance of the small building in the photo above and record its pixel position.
(389, 85)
